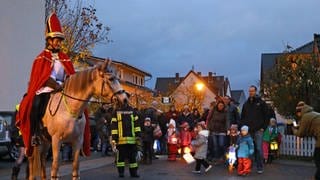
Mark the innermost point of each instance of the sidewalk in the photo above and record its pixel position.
(294, 162)
(66, 169)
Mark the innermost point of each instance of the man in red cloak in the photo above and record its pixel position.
(49, 70)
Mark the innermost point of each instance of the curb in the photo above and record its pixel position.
(294, 163)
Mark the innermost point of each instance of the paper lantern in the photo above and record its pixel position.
(188, 158)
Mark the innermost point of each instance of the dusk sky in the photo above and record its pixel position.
(163, 37)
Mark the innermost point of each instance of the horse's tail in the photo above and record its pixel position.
(36, 164)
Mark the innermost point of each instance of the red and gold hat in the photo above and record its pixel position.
(53, 27)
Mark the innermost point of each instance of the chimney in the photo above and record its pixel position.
(210, 78)
(177, 79)
(316, 41)
(199, 73)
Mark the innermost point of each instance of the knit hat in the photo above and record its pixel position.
(202, 124)
(147, 119)
(172, 123)
(234, 126)
(245, 128)
(299, 106)
(273, 119)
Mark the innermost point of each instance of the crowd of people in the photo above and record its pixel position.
(220, 135)
(129, 132)
(208, 135)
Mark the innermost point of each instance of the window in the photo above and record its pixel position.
(120, 74)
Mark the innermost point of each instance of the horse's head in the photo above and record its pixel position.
(108, 85)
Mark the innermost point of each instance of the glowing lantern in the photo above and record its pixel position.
(187, 150)
(174, 140)
(179, 150)
(274, 145)
(231, 157)
(188, 158)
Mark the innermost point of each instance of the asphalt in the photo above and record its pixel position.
(96, 162)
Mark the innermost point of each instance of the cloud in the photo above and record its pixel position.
(227, 37)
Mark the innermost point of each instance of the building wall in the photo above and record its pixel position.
(129, 75)
(180, 95)
(21, 39)
(242, 100)
(139, 97)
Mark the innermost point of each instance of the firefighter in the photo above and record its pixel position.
(126, 141)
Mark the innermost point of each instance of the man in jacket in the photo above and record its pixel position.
(309, 126)
(255, 116)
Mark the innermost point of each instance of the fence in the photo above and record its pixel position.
(295, 146)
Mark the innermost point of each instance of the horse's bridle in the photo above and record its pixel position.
(121, 91)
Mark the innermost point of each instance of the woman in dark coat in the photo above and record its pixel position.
(217, 126)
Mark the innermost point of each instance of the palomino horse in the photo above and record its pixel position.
(64, 120)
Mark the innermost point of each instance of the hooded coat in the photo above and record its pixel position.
(245, 146)
(309, 124)
(200, 144)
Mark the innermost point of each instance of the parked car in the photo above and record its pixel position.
(6, 120)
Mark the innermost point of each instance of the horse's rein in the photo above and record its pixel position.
(63, 95)
(98, 102)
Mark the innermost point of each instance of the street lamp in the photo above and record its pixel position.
(197, 94)
(199, 86)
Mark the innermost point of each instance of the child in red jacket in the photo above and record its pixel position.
(185, 138)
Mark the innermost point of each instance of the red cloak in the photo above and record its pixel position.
(40, 73)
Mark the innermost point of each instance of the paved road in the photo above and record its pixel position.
(97, 168)
(163, 170)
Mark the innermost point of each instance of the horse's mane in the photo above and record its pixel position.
(79, 81)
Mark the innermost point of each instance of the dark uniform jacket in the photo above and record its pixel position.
(125, 128)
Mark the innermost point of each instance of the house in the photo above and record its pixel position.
(269, 60)
(193, 89)
(306, 51)
(131, 78)
(239, 97)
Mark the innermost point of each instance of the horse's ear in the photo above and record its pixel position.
(105, 66)
(108, 63)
